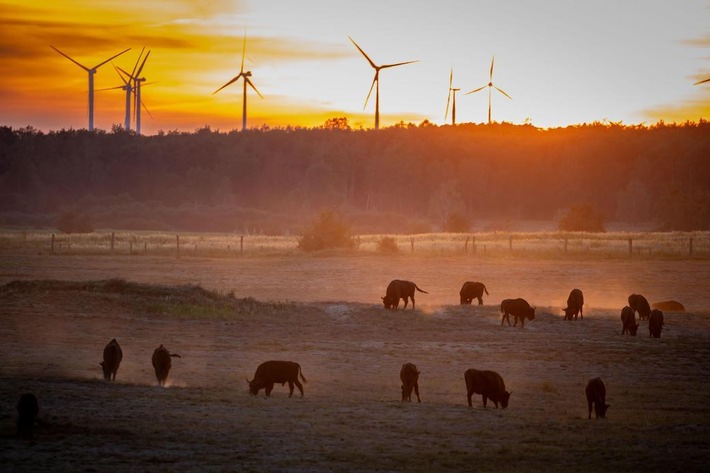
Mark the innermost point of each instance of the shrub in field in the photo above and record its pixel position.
(327, 231)
(72, 222)
(582, 218)
(387, 245)
(456, 223)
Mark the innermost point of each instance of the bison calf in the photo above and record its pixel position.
(628, 321)
(471, 290)
(640, 305)
(272, 372)
(655, 323)
(518, 308)
(596, 394)
(575, 302)
(489, 384)
(112, 359)
(669, 306)
(399, 289)
(27, 410)
(410, 380)
(162, 363)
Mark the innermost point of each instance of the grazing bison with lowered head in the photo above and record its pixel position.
(162, 363)
(596, 394)
(575, 301)
(272, 372)
(518, 308)
(628, 321)
(112, 359)
(399, 289)
(27, 410)
(489, 384)
(471, 290)
(669, 306)
(410, 380)
(640, 305)
(655, 324)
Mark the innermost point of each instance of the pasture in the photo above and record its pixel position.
(227, 315)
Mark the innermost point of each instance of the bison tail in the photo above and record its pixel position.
(420, 290)
(300, 372)
(484, 288)
(175, 355)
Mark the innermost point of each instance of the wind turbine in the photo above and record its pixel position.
(245, 75)
(128, 89)
(490, 86)
(137, 81)
(702, 81)
(376, 79)
(91, 72)
(452, 94)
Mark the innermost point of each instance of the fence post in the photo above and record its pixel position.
(112, 239)
(130, 247)
(565, 245)
(52, 243)
(145, 248)
(241, 244)
(177, 243)
(690, 247)
(510, 242)
(411, 241)
(465, 246)
(631, 246)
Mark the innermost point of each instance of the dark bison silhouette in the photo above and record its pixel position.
(575, 301)
(669, 306)
(410, 380)
(655, 323)
(275, 371)
(518, 308)
(112, 359)
(471, 290)
(596, 394)
(640, 305)
(162, 363)
(489, 384)
(628, 321)
(399, 289)
(27, 410)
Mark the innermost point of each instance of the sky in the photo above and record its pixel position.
(563, 62)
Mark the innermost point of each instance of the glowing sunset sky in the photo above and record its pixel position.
(563, 62)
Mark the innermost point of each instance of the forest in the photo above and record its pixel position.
(402, 179)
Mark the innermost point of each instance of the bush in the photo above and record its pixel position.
(456, 223)
(582, 218)
(72, 222)
(387, 245)
(328, 231)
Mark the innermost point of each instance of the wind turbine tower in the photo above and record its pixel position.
(490, 87)
(452, 95)
(376, 80)
(136, 88)
(91, 72)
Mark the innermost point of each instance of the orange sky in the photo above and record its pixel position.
(562, 62)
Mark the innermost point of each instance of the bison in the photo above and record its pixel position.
(596, 394)
(655, 323)
(669, 306)
(27, 410)
(410, 380)
(162, 363)
(112, 359)
(575, 301)
(628, 321)
(640, 305)
(518, 308)
(398, 289)
(489, 384)
(271, 372)
(471, 290)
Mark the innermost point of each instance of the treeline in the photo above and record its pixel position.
(400, 179)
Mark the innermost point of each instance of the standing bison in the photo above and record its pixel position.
(112, 359)
(575, 301)
(272, 372)
(487, 383)
(655, 323)
(471, 290)
(640, 305)
(399, 289)
(410, 380)
(518, 308)
(628, 321)
(162, 363)
(27, 410)
(596, 395)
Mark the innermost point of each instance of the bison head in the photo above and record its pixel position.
(633, 328)
(388, 303)
(254, 386)
(107, 371)
(505, 397)
(600, 409)
(531, 313)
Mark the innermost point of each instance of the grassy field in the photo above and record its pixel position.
(227, 315)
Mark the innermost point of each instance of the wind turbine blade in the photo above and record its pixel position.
(363, 53)
(110, 88)
(451, 78)
(125, 73)
(135, 66)
(503, 92)
(236, 78)
(397, 64)
(476, 90)
(72, 60)
(140, 69)
(253, 87)
(448, 99)
(146, 109)
(702, 81)
(116, 68)
(492, 60)
(244, 52)
(112, 57)
(370, 92)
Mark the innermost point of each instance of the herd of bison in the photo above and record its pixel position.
(488, 384)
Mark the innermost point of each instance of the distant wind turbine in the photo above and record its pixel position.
(128, 89)
(452, 94)
(137, 81)
(245, 75)
(91, 72)
(490, 86)
(702, 81)
(376, 79)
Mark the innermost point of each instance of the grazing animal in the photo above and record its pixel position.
(518, 308)
(655, 324)
(410, 380)
(628, 321)
(471, 290)
(596, 394)
(669, 306)
(575, 301)
(489, 384)
(271, 372)
(640, 305)
(27, 410)
(399, 289)
(112, 359)
(162, 363)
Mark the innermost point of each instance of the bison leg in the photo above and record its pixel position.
(589, 406)
(406, 301)
(480, 300)
(290, 389)
(268, 388)
(485, 400)
(298, 385)
(469, 395)
(506, 316)
(416, 391)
